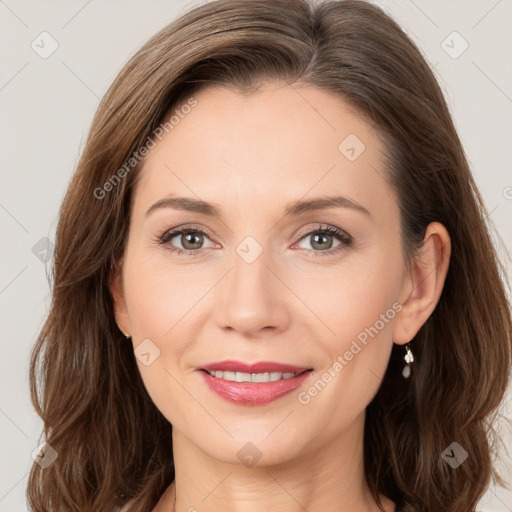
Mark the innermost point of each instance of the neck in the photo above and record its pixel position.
(329, 478)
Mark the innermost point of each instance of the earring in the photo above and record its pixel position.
(127, 336)
(408, 358)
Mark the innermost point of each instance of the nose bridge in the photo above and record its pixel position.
(253, 297)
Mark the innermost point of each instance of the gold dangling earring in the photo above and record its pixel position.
(408, 358)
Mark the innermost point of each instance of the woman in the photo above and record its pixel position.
(274, 288)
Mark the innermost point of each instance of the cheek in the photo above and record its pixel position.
(163, 385)
(359, 307)
(160, 308)
(161, 298)
(355, 298)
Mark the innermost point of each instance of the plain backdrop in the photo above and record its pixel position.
(58, 59)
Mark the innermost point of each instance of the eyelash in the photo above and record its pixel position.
(328, 230)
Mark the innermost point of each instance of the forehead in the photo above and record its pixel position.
(280, 143)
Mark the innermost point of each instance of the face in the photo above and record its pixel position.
(264, 274)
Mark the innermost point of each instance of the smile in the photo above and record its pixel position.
(252, 377)
(253, 384)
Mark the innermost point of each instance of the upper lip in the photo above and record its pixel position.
(259, 367)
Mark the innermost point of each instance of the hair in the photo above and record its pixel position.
(114, 446)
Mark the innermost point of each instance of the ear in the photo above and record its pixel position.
(424, 283)
(118, 300)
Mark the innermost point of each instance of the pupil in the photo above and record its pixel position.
(320, 236)
(318, 239)
(188, 236)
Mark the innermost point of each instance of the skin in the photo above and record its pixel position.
(252, 155)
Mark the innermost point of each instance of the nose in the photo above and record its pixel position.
(254, 297)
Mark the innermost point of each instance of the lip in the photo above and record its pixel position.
(253, 393)
(260, 367)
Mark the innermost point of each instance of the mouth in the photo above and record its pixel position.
(252, 377)
(253, 384)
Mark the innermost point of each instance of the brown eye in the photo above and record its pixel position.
(185, 240)
(191, 240)
(322, 240)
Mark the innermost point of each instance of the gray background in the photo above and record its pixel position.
(47, 106)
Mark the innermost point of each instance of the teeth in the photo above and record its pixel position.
(242, 377)
(230, 376)
(252, 377)
(260, 377)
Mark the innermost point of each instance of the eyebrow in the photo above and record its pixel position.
(296, 208)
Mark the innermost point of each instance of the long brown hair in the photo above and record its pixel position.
(113, 444)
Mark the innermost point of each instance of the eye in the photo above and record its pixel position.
(189, 240)
(322, 240)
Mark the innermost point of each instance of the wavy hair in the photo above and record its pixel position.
(113, 444)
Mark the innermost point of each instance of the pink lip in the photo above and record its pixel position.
(253, 393)
(261, 367)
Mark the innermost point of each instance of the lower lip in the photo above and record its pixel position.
(252, 393)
